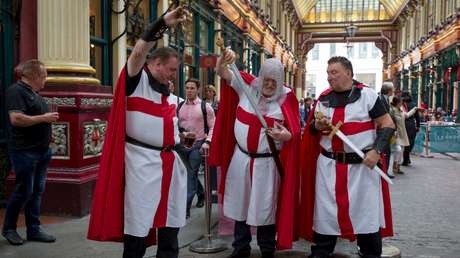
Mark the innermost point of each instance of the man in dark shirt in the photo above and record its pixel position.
(30, 134)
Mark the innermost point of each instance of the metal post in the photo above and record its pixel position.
(208, 244)
(426, 145)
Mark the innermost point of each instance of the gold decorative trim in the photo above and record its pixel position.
(71, 69)
(72, 80)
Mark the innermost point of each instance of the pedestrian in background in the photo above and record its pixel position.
(412, 126)
(196, 121)
(402, 139)
(211, 97)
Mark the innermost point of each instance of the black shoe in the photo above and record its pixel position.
(41, 236)
(13, 237)
(391, 176)
(405, 164)
(200, 202)
(268, 254)
(240, 254)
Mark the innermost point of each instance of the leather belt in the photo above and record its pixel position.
(343, 157)
(148, 146)
(255, 155)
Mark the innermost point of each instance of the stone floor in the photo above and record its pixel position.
(426, 213)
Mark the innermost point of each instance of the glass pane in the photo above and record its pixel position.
(95, 21)
(363, 50)
(95, 59)
(332, 48)
(204, 36)
(188, 72)
(188, 35)
(137, 19)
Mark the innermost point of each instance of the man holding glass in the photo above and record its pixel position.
(29, 138)
(341, 194)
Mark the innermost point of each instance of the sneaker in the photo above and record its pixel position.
(41, 236)
(13, 237)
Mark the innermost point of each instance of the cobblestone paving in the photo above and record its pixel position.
(426, 214)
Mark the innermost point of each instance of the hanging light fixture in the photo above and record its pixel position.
(351, 30)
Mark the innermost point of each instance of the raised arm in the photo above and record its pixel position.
(227, 57)
(148, 38)
(410, 113)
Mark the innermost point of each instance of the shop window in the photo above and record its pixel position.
(99, 22)
(332, 51)
(315, 52)
(363, 50)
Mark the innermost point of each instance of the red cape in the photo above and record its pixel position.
(224, 140)
(310, 150)
(107, 213)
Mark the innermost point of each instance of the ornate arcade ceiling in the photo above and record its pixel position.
(329, 16)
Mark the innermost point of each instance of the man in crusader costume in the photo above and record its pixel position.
(142, 184)
(341, 195)
(257, 192)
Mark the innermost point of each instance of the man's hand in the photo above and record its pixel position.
(371, 159)
(50, 117)
(228, 57)
(279, 132)
(175, 16)
(204, 148)
(322, 124)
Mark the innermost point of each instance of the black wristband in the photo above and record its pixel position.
(208, 142)
(383, 139)
(155, 30)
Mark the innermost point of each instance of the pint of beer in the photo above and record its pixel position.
(189, 139)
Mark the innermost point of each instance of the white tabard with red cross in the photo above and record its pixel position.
(156, 181)
(348, 197)
(252, 184)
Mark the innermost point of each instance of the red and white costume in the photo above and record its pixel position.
(252, 184)
(156, 181)
(139, 189)
(343, 199)
(254, 191)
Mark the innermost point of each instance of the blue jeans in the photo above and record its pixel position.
(30, 167)
(193, 157)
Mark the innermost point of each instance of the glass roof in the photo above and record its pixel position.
(337, 11)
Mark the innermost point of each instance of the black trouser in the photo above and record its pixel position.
(370, 245)
(168, 246)
(411, 134)
(265, 237)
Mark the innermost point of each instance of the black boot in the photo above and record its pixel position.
(370, 245)
(168, 244)
(240, 253)
(133, 247)
(323, 245)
